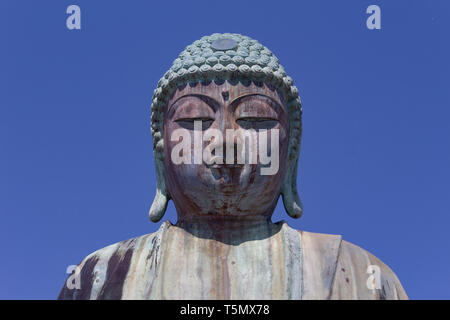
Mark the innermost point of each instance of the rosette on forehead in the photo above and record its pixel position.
(227, 57)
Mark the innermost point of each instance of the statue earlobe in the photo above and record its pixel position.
(291, 199)
(162, 198)
(158, 207)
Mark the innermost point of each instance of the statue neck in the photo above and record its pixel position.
(229, 229)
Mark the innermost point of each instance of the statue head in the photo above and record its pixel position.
(226, 127)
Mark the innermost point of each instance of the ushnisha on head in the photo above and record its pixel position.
(221, 72)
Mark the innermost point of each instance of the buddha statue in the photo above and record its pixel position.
(224, 244)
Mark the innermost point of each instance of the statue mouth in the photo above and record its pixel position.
(227, 174)
(214, 165)
(225, 166)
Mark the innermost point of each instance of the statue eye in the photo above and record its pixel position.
(189, 123)
(256, 123)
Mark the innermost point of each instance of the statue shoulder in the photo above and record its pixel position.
(101, 274)
(361, 275)
(337, 269)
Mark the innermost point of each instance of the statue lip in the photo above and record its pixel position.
(225, 165)
(214, 165)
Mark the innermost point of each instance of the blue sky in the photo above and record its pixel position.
(76, 162)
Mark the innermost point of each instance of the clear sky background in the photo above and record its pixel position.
(76, 161)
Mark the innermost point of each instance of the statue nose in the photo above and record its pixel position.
(230, 141)
(230, 152)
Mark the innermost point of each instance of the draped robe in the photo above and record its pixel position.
(275, 262)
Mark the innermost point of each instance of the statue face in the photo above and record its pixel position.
(215, 162)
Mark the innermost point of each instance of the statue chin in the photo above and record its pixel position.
(220, 191)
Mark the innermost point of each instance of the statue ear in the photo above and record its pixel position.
(291, 200)
(162, 198)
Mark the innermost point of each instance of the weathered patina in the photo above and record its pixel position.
(269, 261)
(224, 245)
